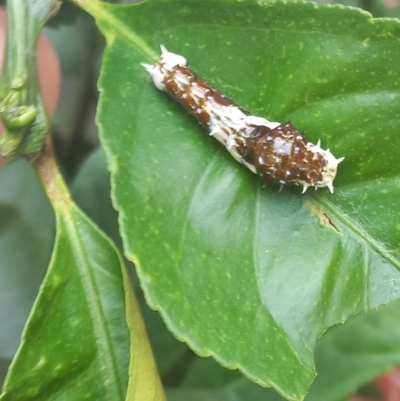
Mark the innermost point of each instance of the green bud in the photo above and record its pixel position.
(10, 141)
(17, 117)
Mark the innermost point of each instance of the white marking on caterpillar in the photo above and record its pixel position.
(275, 151)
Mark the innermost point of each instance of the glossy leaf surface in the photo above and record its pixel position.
(249, 275)
(347, 356)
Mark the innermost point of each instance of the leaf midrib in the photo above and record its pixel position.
(92, 295)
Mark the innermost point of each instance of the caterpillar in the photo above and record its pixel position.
(277, 152)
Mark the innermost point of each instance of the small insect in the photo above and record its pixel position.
(277, 152)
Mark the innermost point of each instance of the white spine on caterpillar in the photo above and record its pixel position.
(168, 62)
(234, 127)
(329, 171)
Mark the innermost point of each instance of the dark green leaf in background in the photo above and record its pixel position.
(66, 15)
(348, 356)
(26, 240)
(245, 274)
(4, 364)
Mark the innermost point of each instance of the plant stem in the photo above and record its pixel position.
(50, 176)
(16, 15)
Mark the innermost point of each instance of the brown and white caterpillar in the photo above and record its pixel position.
(277, 152)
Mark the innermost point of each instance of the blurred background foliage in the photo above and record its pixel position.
(27, 224)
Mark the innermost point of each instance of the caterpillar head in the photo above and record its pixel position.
(167, 62)
(329, 171)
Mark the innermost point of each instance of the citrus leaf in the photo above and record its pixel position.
(351, 355)
(26, 239)
(4, 364)
(76, 342)
(249, 275)
(91, 191)
(195, 395)
(144, 382)
(347, 357)
(78, 329)
(206, 374)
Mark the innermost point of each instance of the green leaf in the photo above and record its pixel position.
(351, 355)
(91, 191)
(144, 382)
(195, 395)
(78, 327)
(347, 357)
(76, 343)
(249, 275)
(26, 240)
(66, 15)
(4, 364)
(206, 374)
